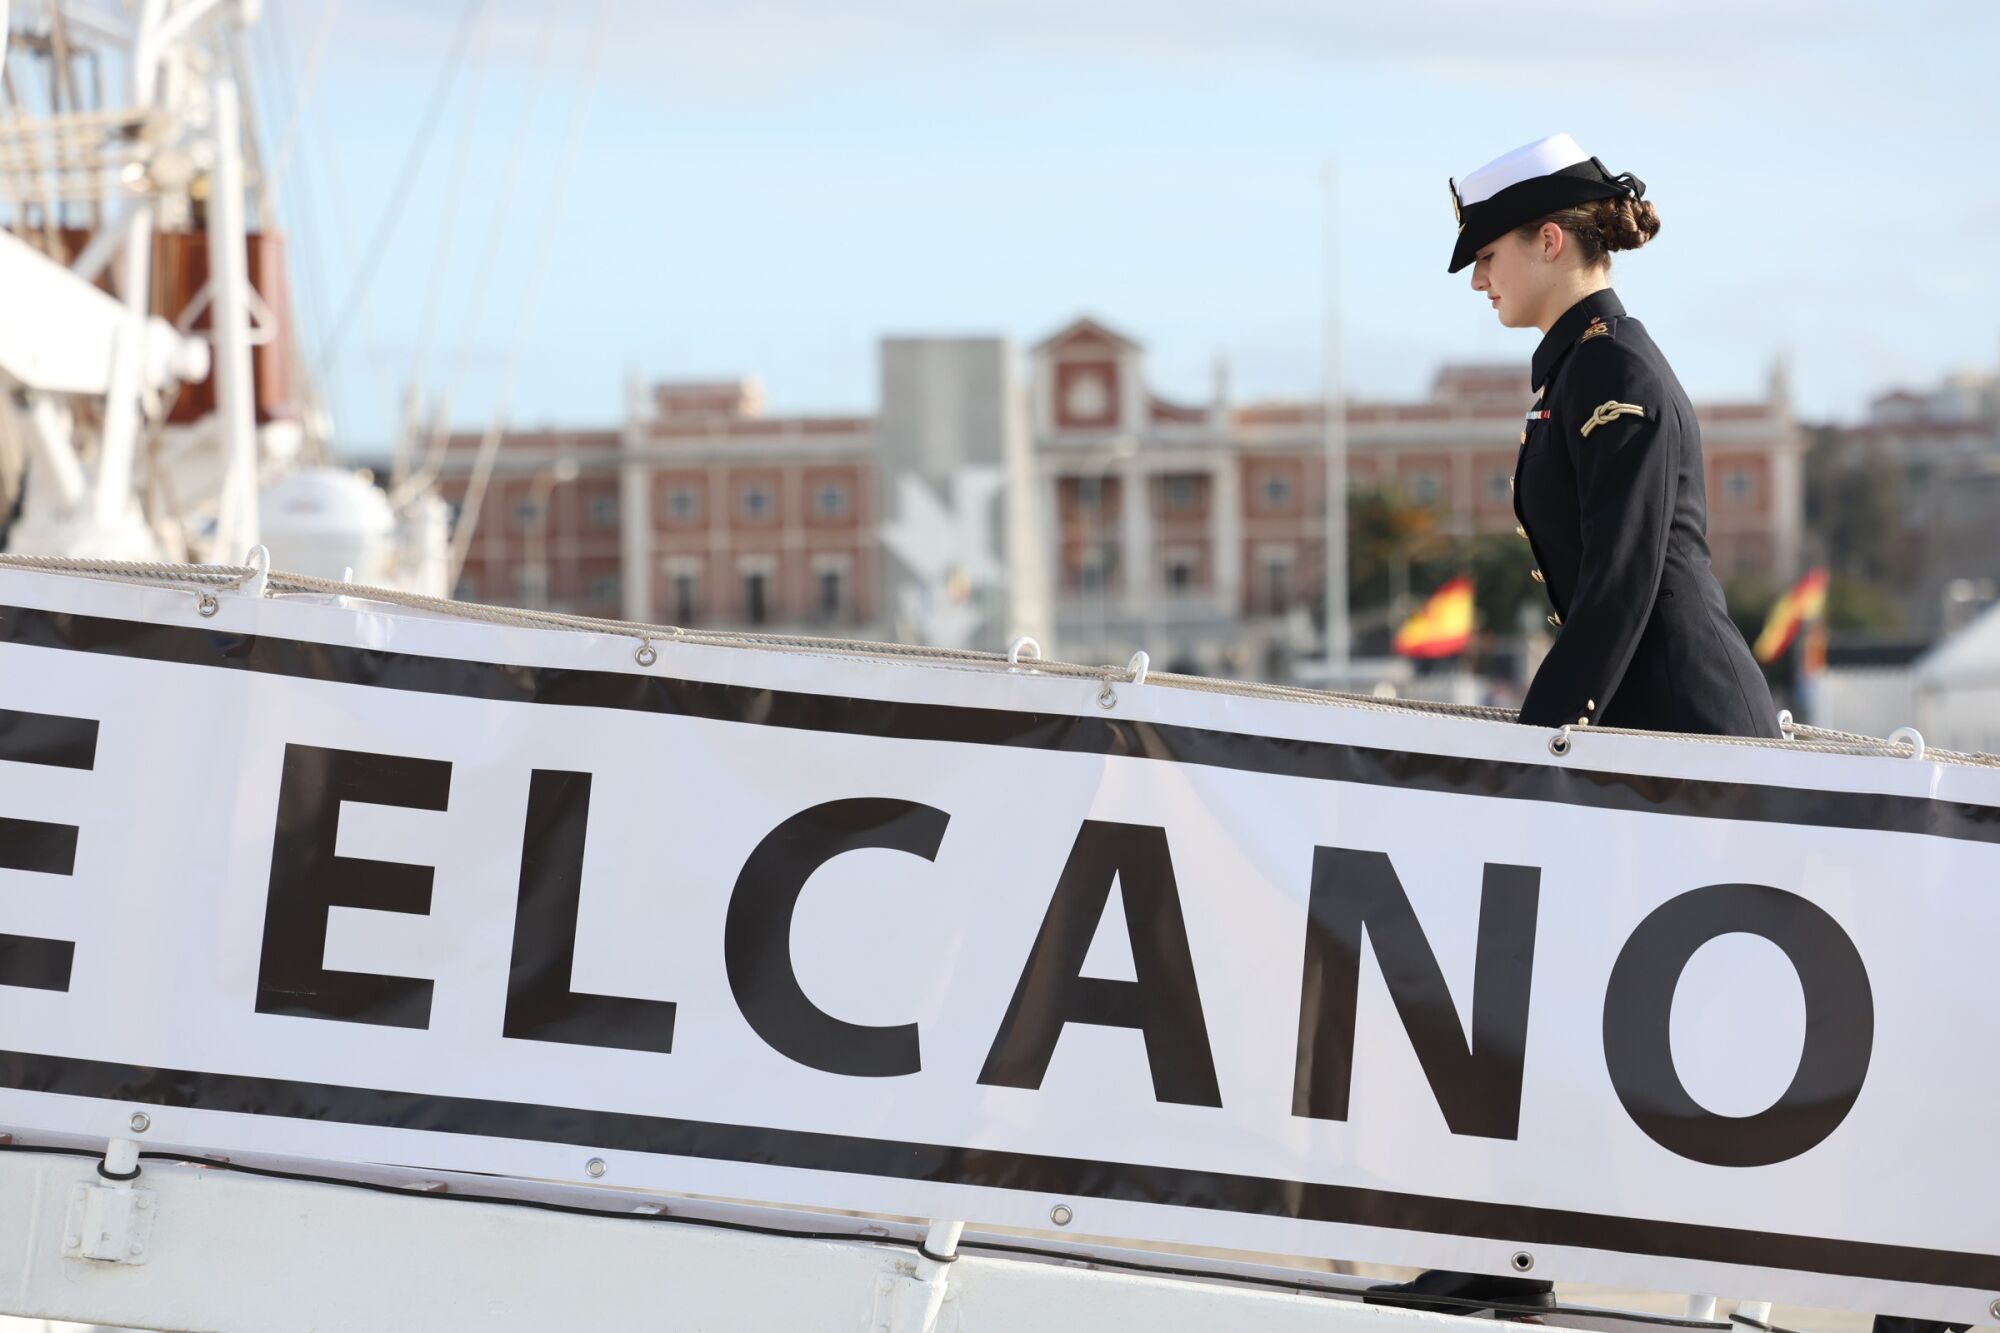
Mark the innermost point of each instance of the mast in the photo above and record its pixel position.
(1333, 437)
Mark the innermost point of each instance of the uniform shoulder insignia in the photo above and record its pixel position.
(1607, 413)
(1598, 329)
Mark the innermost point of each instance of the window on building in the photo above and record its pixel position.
(532, 588)
(683, 504)
(832, 594)
(1089, 494)
(756, 502)
(1425, 488)
(1277, 490)
(1090, 572)
(756, 596)
(604, 588)
(686, 596)
(1181, 567)
(1500, 487)
(1181, 493)
(1738, 485)
(527, 515)
(1277, 584)
(830, 500)
(467, 590)
(604, 511)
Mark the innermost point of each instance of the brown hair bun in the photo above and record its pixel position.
(1624, 224)
(1604, 225)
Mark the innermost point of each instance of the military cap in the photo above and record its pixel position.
(1531, 182)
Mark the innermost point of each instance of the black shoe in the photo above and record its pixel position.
(1442, 1292)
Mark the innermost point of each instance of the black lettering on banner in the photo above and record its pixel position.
(48, 738)
(1839, 1037)
(1164, 1002)
(540, 1004)
(308, 880)
(1477, 1083)
(757, 935)
(55, 741)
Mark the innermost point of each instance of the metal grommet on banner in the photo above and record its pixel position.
(1785, 723)
(1994, 1309)
(140, 1122)
(1106, 696)
(206, 604)
(1911, 737)
(594, 1168)
(1559, 743)
(1062, 1215)
(647, 654)
(1027, 645)
(1137, 668)
(1523, 1261)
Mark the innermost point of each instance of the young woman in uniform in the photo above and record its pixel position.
(1608, 487)
(1612, 510)
(1609, 498)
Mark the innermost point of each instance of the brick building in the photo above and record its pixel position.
(1193, 530)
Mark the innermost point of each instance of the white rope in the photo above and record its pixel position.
(1818, 740)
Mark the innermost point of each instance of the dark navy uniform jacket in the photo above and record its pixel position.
(1610, 497)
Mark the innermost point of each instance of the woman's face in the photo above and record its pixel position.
(1516, 276)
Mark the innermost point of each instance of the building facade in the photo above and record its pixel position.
(1935, 453)
(1116, 519)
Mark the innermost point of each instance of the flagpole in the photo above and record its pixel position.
(1333, 437)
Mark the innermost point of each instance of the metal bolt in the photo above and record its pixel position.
(140, 1122)
(72, 1242)
(1061, 1215)
(138, 1250)
(1523, 1261)
(594, 1167)
(143, 1202)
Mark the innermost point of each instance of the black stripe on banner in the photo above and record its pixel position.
(47, 738)
(29, 844)
(1058, 732)
(35, 963)
(1067, 1176)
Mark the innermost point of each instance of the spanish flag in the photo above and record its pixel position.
(1794, 610)
(1442, 626)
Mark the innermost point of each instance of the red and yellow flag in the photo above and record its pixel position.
(1794, 610)
(1442, 626)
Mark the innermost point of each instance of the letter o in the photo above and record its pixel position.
(1839, 1039)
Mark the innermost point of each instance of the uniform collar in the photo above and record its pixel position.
(1563, 334)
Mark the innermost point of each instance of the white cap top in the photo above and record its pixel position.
(1539, 158)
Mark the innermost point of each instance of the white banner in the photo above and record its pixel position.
(970, 943)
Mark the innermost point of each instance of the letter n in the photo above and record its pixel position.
(1477, 1083)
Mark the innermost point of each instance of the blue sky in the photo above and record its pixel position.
(767, 186)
